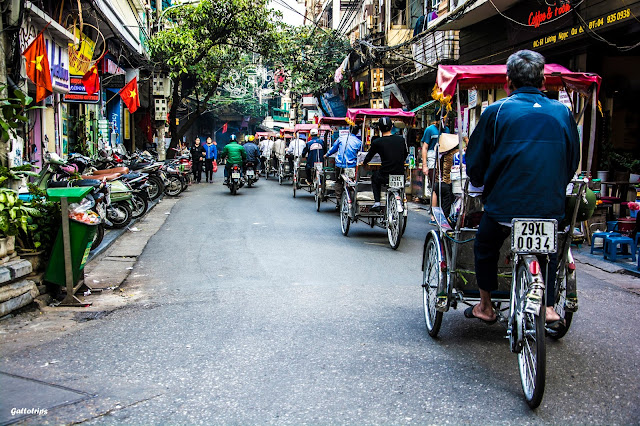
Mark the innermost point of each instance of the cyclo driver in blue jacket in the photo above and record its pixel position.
(525, 151)
(347, 148)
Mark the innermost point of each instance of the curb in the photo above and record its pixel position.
(113, 234)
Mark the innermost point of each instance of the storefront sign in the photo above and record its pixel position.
(564, 99)
(577, 30)
(80, 60)
(78, 94)
(110, 67)
(473, 98)
(58, 56)
(537, 18)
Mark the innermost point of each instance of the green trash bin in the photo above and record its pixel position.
(80, 234)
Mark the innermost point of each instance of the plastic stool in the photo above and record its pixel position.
(603, 235)
(611, 248)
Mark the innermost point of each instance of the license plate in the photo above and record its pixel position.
(250, 173)
(396, 181)
(534, 235)
(235, 175)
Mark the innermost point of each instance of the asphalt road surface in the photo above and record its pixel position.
(258, 310)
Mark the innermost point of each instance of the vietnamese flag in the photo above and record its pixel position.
(129, 94)
(91, 80)
(38, 67)
(224, 127)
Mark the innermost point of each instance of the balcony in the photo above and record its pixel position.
(436, 48)
(280, 114)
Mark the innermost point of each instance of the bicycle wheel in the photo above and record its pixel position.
(431, 276)
(394, 221)
(532, 359)
(560, 305)
(318, 195)
(345, 220)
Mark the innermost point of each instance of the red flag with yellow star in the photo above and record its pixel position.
(129, 95)
(38, 67)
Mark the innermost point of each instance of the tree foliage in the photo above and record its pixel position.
(201, 41)
(310, 57)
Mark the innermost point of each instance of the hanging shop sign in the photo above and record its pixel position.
(57, 55)
(78, 93)
(598, 23)
(110, 67)
(80, 53)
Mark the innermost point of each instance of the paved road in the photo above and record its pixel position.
(258, 310)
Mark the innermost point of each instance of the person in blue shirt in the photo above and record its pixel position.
(525, 151)
(346, 150)
(314, 151)
(211, 153)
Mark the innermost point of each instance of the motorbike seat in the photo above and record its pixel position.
(87, 182)
(138, 166)
(58, 184)
(119, 170)
(108, 177)
(130, 176)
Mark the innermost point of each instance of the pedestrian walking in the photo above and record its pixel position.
(211, 151)
(198, 154)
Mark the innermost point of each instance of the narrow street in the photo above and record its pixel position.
(257, 310)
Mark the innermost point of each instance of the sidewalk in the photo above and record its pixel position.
(105, 273)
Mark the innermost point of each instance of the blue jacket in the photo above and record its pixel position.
(211, 151)
(253, 152)
(315, 151)
(347, 149)
(524, 150)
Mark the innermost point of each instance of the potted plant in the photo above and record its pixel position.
(13, 218)
(36, 239)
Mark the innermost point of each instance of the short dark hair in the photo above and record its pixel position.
(355, 130)
(526, 68)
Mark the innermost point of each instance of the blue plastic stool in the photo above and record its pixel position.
(603, 235)
(611, 248)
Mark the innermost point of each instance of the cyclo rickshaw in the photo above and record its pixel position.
(326, 185)
(300, 163)
(268, 166)
(448, 259)
(357, 196)
(285, 171)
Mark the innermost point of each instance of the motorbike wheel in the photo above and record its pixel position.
(175, 186)
(123, 216)
(156, 187)
(97, 240)
(233, 188)
(139, 204)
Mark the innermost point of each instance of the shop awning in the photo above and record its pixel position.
(423, 106)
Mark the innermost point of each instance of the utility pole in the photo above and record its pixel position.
(160, 130)
(3, 85)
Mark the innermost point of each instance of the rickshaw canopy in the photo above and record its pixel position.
(490, 76)
(334, 121)
(306, 128)
(357, 115)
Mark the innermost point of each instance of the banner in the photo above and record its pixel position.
(80, 60)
